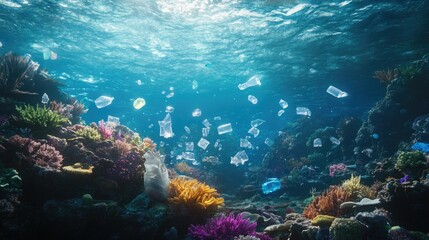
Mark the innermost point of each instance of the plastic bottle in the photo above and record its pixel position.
(271, 185)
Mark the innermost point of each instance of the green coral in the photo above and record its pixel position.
(39, 118)
(344, 228)
(410, 161)
(89, 133)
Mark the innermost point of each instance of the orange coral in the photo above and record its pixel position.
(328, 203)
(194, 195)
(386, 76)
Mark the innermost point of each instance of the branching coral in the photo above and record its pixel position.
(410, 161)
(386, 76)
(39, 118)
(225, 228)
(194, 195)
(328, 203)
(78, 169)
(129, 167)
(42, 155)
(89, 133)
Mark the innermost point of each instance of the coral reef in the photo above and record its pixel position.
(39, 119)
(328, 203)
(411, 163)
(350, 229)
(89, 133)
(194, 195)
(35, 153)
(225, 227)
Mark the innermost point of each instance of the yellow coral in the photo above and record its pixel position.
(78, 168)
(352, 186)
(194, 195)
(322, 220)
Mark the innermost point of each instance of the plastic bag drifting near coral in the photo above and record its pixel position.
(156, 176)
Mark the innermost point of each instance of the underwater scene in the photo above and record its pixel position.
(214, 119)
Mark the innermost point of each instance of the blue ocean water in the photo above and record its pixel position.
(298, 48)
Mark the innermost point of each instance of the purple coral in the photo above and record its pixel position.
(36, 153)
(225, 228)
(127, 168)
(337, 168)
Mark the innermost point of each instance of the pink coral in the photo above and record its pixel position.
(105, 131)
(337, 168)
(36, 153)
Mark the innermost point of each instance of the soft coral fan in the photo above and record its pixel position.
(225, 228)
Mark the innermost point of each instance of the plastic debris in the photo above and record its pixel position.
(46, 54)
(170, 95)
(303, 111)
(194, 85)
(216, 143)
(206, 123)
(256, 122)
(203, 143)
(54, 55)
(165, 127)
(334, 141)
(189, 146)
(188, 156)
(336, 92)
(169, 109)
(252, 99)
(205, 132)
(239, 158)
(139, 103)
(244, 143)
(112, 121)
(280, 112)
(421, 146)
(226, 128)
(103, 101)
(254, 131)
(187, 130)
(283, 103)
(269, 142)
(219, 147)
(161, 143)
(1, 44)
(253, 81)
(196, 112)
(139, 82)
(171, 89)
(317, 142)
(375, 136)
(45, 98)
(271, 185)
(217, 118)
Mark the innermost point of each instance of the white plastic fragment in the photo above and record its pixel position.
(187, 130)
(256, 122)
(112, 121)
(169, 109)
(226, 128)
(206, 123)
(283, 103)
(252, 99)
(188, 156)
(317, 142)
(189, 146)
(253, 81)
(254, 131)
(205, 132)
(165, 127)
(194, 85)
(203, 143)
(244, 143)
(239, 158)
(336, 92)
(103, 101)
(303, 111)
(45, 98)
(269, 142)
(335, 140)
(280, 112)
(196, 112)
